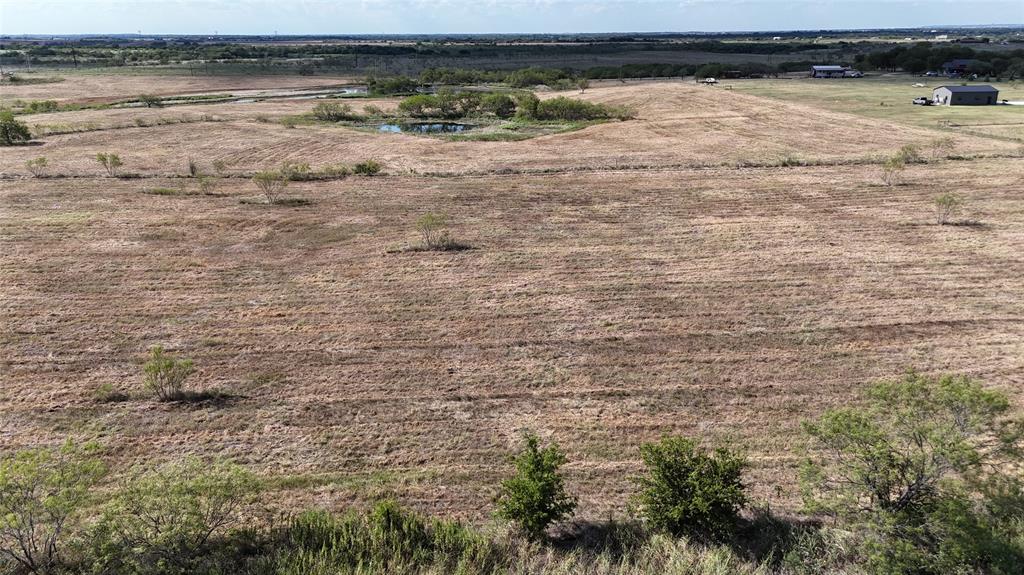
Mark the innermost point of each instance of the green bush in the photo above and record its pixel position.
(392, 85)
(500, 104)
(367, 168)
(535, 497)
(42, 495)
(165, 375)
(562, 108)
(334, 112)
(168, 520)
(689, 490)
(12, 131)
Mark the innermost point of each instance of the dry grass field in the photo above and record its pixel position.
(628, 280)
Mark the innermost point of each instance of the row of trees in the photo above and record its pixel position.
(922, 477)
(925, 57)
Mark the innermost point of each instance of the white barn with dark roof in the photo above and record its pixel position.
(965, 95)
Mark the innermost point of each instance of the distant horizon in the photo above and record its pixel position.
(488, 17)
(923, 27)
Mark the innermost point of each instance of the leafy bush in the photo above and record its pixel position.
(562, 108)
(165, 375)
(926, 471)
(500, 104)
(12, 131)
(687, 490)
(334, 112)
(37, 166)
(393, 85)
(42, 492)
(110, 162)
(41, 106)
(535, 497)
(367, 168)
(271, 184)
(946, 205)
(166, 520)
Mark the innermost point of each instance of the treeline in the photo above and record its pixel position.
(927, 57)
(68, 52)
(922, 477)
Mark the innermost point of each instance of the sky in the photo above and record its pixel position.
(487, 16)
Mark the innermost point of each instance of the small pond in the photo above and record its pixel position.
(425, 128)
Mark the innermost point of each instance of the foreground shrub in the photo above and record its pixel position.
(925, 471)
(42, 492)
(165, 375)
(166, 520)
(12, 131)
(689, 490)
(535, 497)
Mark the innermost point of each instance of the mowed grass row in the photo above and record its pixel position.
(601, 309)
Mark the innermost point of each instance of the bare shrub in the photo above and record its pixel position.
(271, 184)
(947, 205)
(110, 162)
(942, 147)
(207, 185)
(892, 170)
(37, 166)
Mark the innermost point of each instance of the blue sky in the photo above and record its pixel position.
(486, 16)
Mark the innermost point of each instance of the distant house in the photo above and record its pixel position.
(828, 71)
(965, 95)
(958, 66)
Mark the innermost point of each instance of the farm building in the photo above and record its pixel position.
(827, 71)
(965, 95)
(958, 66)
(834, 72)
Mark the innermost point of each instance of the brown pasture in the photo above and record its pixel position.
(641, 288)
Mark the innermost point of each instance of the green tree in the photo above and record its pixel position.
(12, 131)
(690, 490)
(924, 469)
(535, 497)
(42, 492)
(165, 520)
(165, 375)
